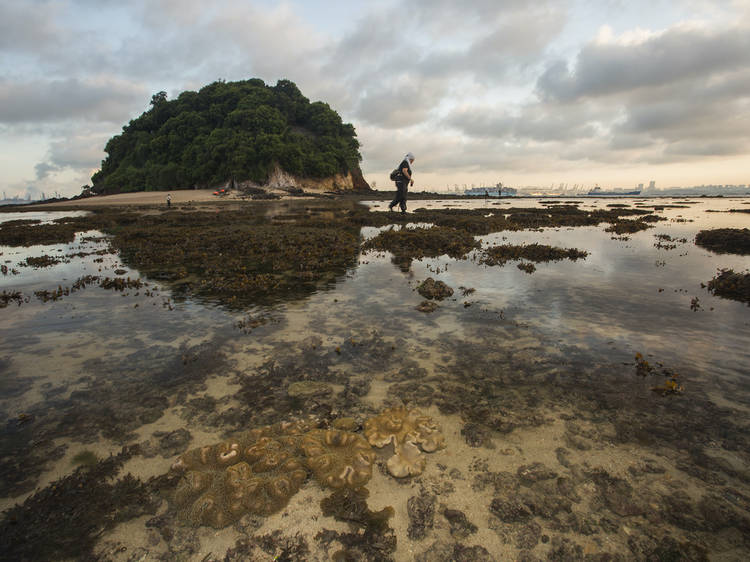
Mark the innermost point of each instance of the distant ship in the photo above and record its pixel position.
(598, 192)
(491, 192)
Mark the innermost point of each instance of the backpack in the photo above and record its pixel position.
(395, 174)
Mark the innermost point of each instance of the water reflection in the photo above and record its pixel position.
(527, 369)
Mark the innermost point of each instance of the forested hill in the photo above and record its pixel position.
(229, 130)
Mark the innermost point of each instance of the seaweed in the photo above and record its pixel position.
(417, 243)
(372, 538)
(65, 519)
(499, 255)
(725, 240)
(731, 285)
(625, 226)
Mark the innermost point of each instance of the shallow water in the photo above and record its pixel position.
(528, 368)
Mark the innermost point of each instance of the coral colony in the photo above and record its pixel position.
(260, 470)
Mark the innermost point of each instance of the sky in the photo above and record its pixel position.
(608, 92)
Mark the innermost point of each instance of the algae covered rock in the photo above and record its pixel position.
(339, 458)
(437, 290)
(427, 306)
(303, 390)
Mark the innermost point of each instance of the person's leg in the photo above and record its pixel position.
(396, 198)
(403, 199)
(399, 195)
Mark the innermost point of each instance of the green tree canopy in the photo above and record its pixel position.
(227, 129)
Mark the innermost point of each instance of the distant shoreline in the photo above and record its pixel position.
(198, 196)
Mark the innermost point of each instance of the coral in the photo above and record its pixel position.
(408, 430)
(408, 461)
(253, 474)
(396, 424)
(338, 458)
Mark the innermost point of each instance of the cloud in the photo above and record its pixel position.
(93, 99)
(678, 55)
(24, 29)
(472, 87)
(533, 122)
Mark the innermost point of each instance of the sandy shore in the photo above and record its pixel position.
(179, 197)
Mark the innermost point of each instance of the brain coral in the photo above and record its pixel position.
(397, 424)
(338, 458)
(223, 482)
(408, 430)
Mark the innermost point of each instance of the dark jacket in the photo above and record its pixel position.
(401, 177)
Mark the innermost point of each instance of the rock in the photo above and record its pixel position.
(510, 510)
(535, 472)
(345, 424)
(474, 553)
(529, 535)
(616, 493)
(305, 390)
(439, 551)
(648, 466)
(437, 290)
(564, 550)
(577, 442)
(166, 443)
(476, 435)
(566, 487)
(563, 456)
(427, 306)
(421, 510)
(461, 527)
(545, 505)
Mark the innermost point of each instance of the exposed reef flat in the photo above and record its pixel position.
(538, 436)
(725, 240)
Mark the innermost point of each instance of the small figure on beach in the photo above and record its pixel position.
(403, 180)
(169, 199)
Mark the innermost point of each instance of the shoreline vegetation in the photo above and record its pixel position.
(595, 461)
(237, 133)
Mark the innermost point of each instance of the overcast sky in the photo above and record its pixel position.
(615, 92)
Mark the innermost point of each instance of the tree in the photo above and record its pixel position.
(239, 130)
(158, 98)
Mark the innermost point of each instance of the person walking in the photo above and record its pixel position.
(403, 180)
(169, 199)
